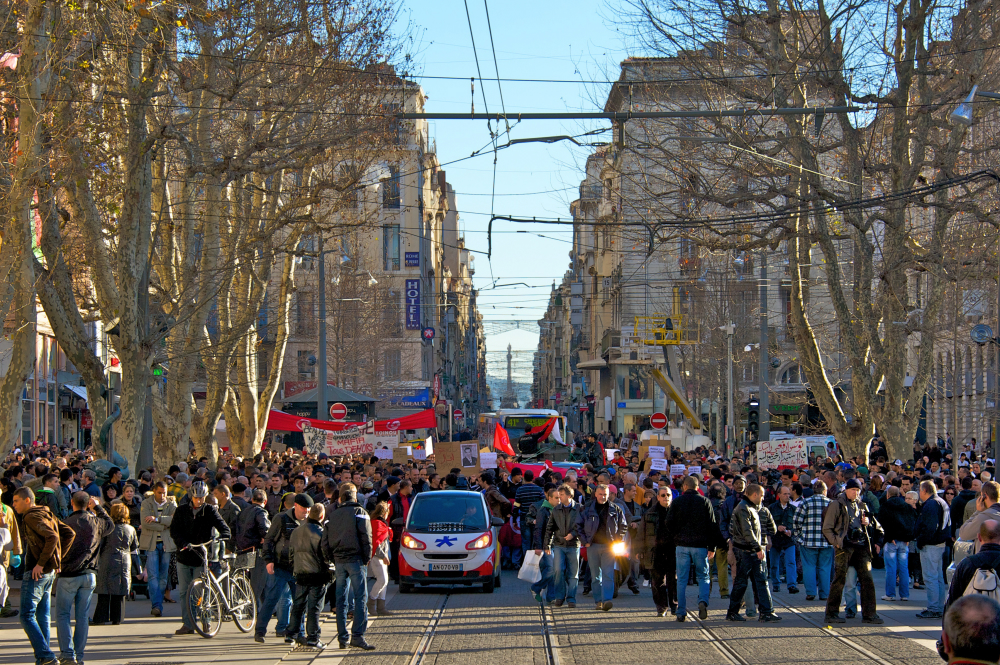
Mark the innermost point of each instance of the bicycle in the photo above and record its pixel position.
(213, 598)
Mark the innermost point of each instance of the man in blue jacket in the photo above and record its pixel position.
(601, 525)
(933, 530)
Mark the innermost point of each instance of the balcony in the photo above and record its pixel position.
(591, 192)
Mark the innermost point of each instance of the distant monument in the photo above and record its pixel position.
(509, 400)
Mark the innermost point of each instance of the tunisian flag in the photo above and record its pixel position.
(501, 440)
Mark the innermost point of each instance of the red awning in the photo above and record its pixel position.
(286, 422)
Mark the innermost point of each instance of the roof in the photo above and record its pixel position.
(333, 394)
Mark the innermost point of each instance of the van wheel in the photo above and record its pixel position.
(405, 588)
(490, 586)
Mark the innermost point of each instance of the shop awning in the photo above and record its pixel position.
(79, 391)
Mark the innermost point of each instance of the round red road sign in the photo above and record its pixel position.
(338, 411)
(458, 414)
(658, 420)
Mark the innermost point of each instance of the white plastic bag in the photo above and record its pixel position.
(530, 572)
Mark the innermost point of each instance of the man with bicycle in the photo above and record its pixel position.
(194, 522)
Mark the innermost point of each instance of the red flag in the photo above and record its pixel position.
(545, 431)
(501, 440)
(549, 465)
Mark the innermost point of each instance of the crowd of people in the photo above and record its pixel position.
(322, 530)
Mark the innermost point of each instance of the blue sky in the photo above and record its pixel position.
(567, 41)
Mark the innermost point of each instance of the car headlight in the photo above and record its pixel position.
(411, 543)
(618, 548)
(481, 543)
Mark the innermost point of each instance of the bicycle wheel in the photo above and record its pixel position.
(243, 603)
(205, 609)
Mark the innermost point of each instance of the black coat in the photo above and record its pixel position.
(958, 505)
(90, 528)
(311, 564)
(276, 547)
(252, 525)
(187, 528)
(988, 557)
(692, 522)
(898, 519)
(348, 536)
(931, 527)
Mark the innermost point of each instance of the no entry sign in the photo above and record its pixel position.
(338, 410)
(658, 420)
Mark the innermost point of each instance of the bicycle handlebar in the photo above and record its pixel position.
(191, 546)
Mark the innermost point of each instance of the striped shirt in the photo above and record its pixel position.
(527, 494)
(807, 525)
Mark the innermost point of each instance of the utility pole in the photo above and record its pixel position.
(765, 411)
(730, 421)
(321, 404)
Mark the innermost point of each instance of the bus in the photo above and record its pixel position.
(514, 421)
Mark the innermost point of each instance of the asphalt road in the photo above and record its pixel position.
(445, 626)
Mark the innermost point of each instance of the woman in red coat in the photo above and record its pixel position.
(379, 564)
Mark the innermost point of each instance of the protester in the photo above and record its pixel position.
(542, 512)
(77, 578)
(696, 536)
(817, 553)
(44, 543)
(658, 553)
(562, 537)
(119, 555)
(987, 559)
(600, 525)
(348, 543)
(312, 575)
(899, 521)
(156, 513)
(971, 634)
(783, 547)
(846, 527)
(378, 567)
(933, 531)
(748, 538)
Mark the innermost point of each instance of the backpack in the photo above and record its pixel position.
(985, 583)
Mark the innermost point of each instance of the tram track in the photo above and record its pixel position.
(847, 642)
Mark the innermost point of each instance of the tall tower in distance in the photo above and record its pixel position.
(509, 400)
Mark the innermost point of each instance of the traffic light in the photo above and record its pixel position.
(753, 419)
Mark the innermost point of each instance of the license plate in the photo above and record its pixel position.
(444, 566)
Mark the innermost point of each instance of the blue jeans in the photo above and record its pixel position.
(73, 596)
(817, 562)
(602, 571)
(566, 571)
(687, 558)
(851, 591)
(278, 584)
(786, 556)
(930, 562)
(185, 575)
(356, 572)
(546, 584)
(36, 598)
(897, 560)
(158, 567)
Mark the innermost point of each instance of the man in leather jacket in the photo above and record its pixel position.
(312, 575)
(527, 443)
(748, 531)
(280, 568)
(348, 543)
(846, 527)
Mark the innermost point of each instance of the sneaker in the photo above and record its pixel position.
(661, 613)
(904, 600)
(184, 630)
(793, 589)
(558, 602)
(769, 618)
(835, 619)
(877, 620)
(360, 643)
(702, 610)
(156, 612)
(67, 661)
(571, 604)
(317, 644)
(289, 638)
(929, 614)
(645, 583)
(607, 606)
(681, 618)
(810, 597)
(891, 599)
(735, 617)
(258, 638)
(50, 661)
(536, 596)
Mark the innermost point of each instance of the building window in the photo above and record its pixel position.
(304, 316)
(305, 369)
(791, 375)
(393, 364)
(390, 247)
(350, 176)
(390, 189)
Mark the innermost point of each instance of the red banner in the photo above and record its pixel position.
(286, 422)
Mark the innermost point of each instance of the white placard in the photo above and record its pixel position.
(657, 452)
(420, 454)
(677, 470)
(610, 452)
(429, 445)
(658, 464)
(389, 440)
(784, 454)
(383, 453)
(694, 469)
(487, 460)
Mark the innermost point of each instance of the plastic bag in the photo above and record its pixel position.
(530, 572)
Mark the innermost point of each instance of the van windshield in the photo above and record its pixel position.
(432, 513)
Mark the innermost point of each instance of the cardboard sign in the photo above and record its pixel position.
(278, 447)
(784, 454)
(677, 470)
(658, 464)
(448, 455)
(401, 455)
(383, 453)
(488, 460)
(345, 442)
